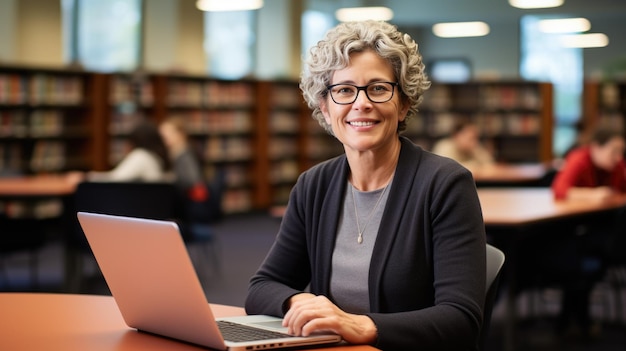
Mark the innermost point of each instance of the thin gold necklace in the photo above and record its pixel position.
(359, 239)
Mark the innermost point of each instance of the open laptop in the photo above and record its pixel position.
(152, 279)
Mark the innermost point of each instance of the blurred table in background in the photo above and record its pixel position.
(527, 174)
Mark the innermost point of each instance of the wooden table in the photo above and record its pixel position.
(36, 186)
(511, 174)
(65, 322)
(515, 207)
(515, 214)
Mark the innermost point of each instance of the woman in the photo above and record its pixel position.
(185, 164)
(384, 245)
(193, 190)
(463, 145)
(146, 161)
(593, 171)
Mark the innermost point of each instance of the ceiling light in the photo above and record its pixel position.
(535, 4)
(565, 25)
(229, 5)
(349, 14)
(461, 29)
(591, 40)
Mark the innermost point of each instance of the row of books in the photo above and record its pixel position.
(197, 122)
(210, 94)
(124, 89)
(611, 97)
(481, 97)
(282, 147)
(319, 146)
(217, 121)
(237, 201)
(220, 149)
(235, 175)
(284, 122)
(489, 124)
(48, 156)
(286, 96)
(284, 171)
(39, 123)
(41, 89)
(11, 155)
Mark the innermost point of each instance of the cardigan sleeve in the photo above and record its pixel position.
(285, 270)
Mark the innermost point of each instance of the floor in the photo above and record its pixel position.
(242, 243)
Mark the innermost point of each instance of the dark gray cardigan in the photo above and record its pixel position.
(427, 273)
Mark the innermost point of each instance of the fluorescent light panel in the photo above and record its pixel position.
(229, 5)
(535, 4)
(565, 25)
(378, 13)
(590, 40)
(461, 29)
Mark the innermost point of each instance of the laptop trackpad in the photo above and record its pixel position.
(277, 324)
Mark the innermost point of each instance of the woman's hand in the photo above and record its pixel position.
(309, 314)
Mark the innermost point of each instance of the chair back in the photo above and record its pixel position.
(152, 200)
(495, 261)
(208, 210)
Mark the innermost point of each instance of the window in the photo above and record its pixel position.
(315, 24)
(450, 70)
(103, 36)
(229, 43)
(544, 59)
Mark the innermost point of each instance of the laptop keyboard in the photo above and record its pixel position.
(240, 333)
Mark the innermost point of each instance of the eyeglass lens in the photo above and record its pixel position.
(348, 93)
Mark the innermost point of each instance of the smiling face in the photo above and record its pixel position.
(364, 125)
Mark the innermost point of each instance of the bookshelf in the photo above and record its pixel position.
(222, 118)
(284, 112)
(260, 133)
(49, 120)
(129, 97)
(604, 103)
(515, 118)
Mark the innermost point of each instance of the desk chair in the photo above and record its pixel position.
(20, 235)
(152, 200)
(199, 216)
(615, 277)
(495, 261)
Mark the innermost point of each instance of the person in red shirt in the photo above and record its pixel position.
(593, 171)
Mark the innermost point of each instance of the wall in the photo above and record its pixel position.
(278, 41)
(493, 56)
(161, 31)
(189, 51)
(30, 32)
(7, 30)
(598, 60)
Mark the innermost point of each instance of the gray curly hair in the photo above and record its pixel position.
(333, 53)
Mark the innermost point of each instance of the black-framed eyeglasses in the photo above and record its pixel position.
(345, 94)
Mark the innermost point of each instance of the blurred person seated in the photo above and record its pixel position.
(594, 171)
(186, 168)
(463, 145)
(200, 199)
(145, 161)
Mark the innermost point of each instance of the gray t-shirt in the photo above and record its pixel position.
(351, 259)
